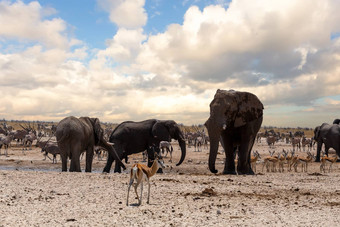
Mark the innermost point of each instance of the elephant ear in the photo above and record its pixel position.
(316, 132)
(160, 131)
(98, 131)
(249, 108)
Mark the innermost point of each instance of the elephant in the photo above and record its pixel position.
(328, 134)
(76, 135)
(235, 118)
(336, 121)
(133, 137)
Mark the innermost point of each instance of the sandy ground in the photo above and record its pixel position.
(34, 192)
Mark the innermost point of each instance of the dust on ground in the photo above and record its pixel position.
(34, 192)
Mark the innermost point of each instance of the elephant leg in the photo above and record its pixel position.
(72, 166)
(229, 164)
(151, 157)
(120, 152)
(243, 165)
(110, 160)
(170, 155)
(117, 166)
(75, 163)
(63, 161)
(326, 150)
(89, 159)
(318, 151)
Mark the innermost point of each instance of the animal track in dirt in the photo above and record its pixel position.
(209, 192)
(332, 204)
(169, 180)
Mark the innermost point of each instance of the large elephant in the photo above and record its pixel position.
(235, 118)
(76, 135)
(134, 137)
(330, 136)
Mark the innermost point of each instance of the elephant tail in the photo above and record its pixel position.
(65, 134)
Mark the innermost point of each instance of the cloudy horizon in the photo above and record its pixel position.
(139, 59)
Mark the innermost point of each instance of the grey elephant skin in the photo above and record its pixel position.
(133, 137)
(235, 118)
(76, 135)
(328, 134)
(336, 121)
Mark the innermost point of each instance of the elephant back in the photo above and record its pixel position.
(246, 105)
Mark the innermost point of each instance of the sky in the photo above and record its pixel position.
(133, 60)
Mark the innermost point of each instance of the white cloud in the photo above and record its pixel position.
(124, 46)
(128, 14)
(26, 22)
(279, 50)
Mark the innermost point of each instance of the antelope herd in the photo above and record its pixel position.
(26, 136)
(277, 163)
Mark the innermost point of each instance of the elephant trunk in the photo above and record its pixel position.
(112, 152)
(215, 127)
(182, 145)
(214, 142)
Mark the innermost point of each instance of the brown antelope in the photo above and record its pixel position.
(281, 160)
(253, 160)
(303, 161)
(140, 173)
(325, 159)
(270, 160)
(291, 160)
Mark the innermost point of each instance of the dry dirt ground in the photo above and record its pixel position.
(34, 192)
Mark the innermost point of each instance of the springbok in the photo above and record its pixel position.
(325, 159)
(303, 161)
(281, 160)
(253, 160)
(273, 160)
(140, 173)
(291, 160)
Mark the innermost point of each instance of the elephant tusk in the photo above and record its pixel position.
(224, 126)
(110, 143)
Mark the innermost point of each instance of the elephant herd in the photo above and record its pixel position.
(75, 135)
(235, 119)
